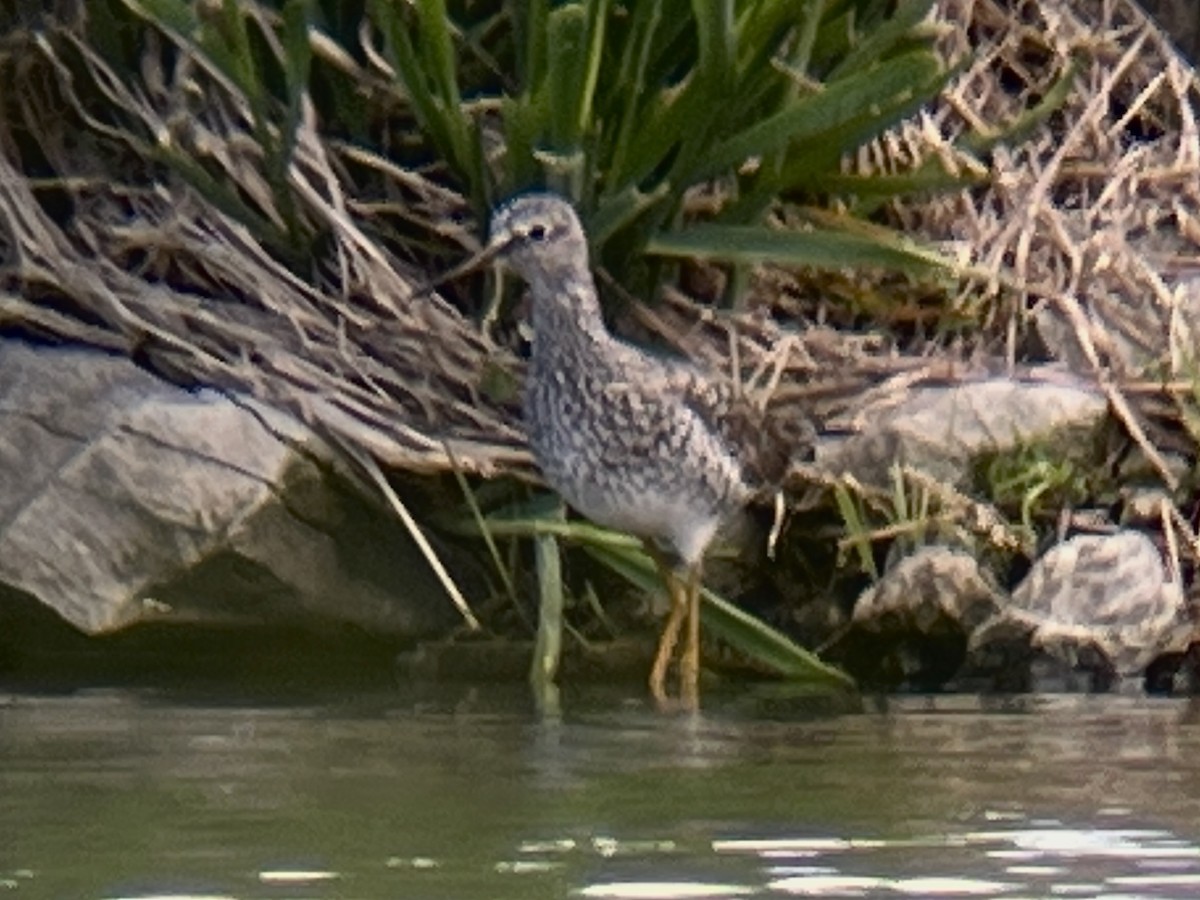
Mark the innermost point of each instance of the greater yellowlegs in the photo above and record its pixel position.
(645, 445)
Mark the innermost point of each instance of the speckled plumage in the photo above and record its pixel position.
(638, 443)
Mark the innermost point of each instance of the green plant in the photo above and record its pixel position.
(756, 102)
(761, 99)
(624, 556)
(908, 516)
(1037, 482)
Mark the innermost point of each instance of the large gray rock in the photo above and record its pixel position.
(941, 429)
(123, 498)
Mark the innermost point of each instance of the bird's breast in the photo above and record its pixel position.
(626, 455)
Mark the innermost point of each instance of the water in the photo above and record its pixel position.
(133, 793)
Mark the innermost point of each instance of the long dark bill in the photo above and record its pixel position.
(466, 267)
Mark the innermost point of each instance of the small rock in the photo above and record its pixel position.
(911, 628)
(932, 587)
(1096, 602)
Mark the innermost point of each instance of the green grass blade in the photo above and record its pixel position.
(297, 64)
(547, 651)
(389, 19)
(440, 122)
(856, 530)
(885, 38)
(631, 84)
(617, 212)
(523, 117)
(440, 64)
(763, 28)
(231, 42)
(716, 35)
(710, 88)
(175, 16)
(649, 148)
(576, 532)
(1024, 125)
(685, 117)
(751, 245)
(813, 117)
(811, 160)
(437, 53)
(529, 21)
(593, 55)
(489, 539)
(564, 86)
(865, 192)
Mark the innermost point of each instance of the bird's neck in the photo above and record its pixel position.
(568, 308)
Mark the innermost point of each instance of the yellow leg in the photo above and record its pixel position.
(689, 663)
(684, 597)
(668, 639)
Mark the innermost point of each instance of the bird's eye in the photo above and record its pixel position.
(537, 233)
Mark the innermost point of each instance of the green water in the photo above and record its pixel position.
(467, 794)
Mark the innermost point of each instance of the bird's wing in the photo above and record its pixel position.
(763, 443)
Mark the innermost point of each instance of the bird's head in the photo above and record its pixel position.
(537, 235)
(540, 238)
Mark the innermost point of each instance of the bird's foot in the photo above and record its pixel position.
(687, 702)
(688, 699)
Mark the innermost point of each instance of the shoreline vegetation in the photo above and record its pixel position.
(961, 237)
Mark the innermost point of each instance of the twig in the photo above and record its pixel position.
(369, 466)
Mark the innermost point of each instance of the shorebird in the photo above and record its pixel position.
(650, 446)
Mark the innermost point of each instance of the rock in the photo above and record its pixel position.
(123, 498)
(1091, 610)
(911, 628)
(941, 429)
(932, 587)
(1102, 603)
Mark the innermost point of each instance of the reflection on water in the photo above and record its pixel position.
(131, 794)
